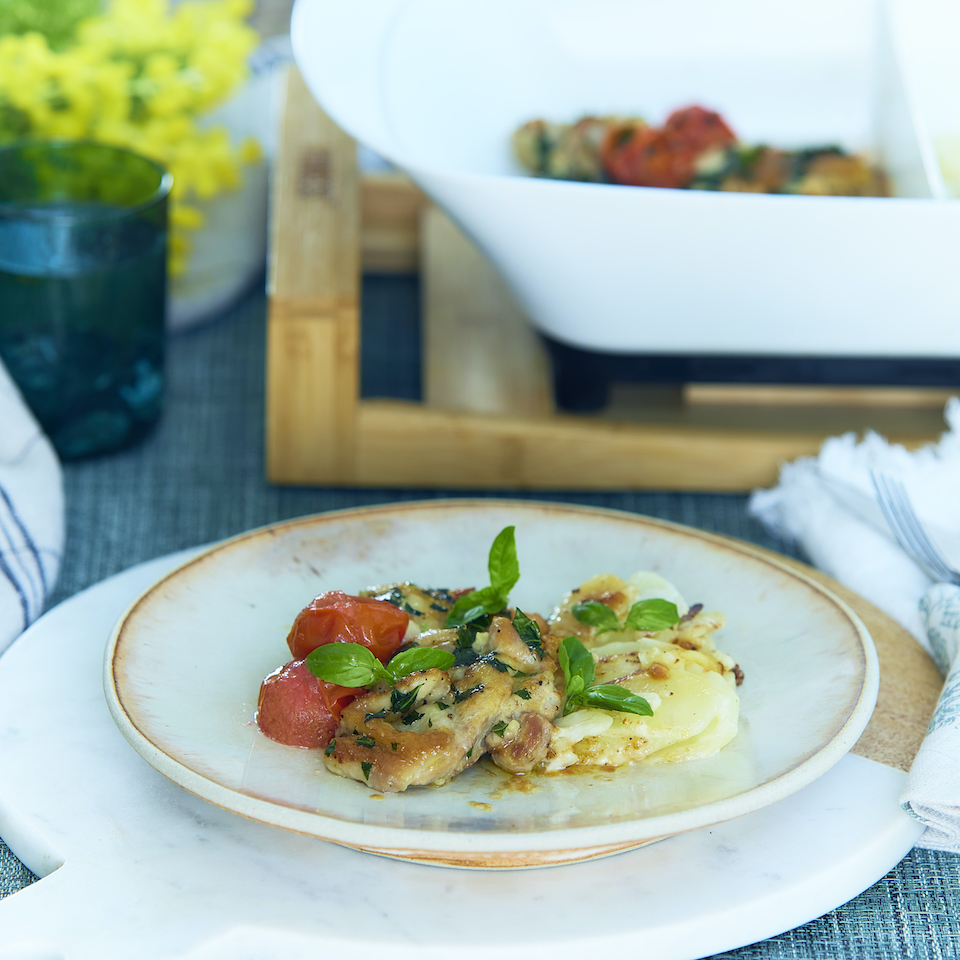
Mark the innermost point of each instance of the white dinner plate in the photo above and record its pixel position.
(184, 666)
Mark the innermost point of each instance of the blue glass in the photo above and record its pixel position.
(83, 240)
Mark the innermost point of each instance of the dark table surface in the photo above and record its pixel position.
(200, 478)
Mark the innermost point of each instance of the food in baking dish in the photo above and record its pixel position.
(694, 149)
(404, 686)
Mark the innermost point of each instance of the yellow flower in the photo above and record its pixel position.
(140, 76)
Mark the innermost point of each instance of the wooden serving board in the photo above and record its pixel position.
(488, 419)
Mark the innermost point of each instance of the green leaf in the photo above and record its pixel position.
(576, 661)
(652, 615)
(575, 687)
(418, 659)
(596, 614)
(504, 569)
(529, 632)
(402, 702)
(366, 768)
(608, 696)
(347, 664)
(475, 604)
(503, 565)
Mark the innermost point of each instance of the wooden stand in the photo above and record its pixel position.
(488, 420)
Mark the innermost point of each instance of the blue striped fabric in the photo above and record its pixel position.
(31, 515)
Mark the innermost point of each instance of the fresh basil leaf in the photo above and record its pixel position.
(529, 631)
(347, 664)
(609, 696)
(504, 570)
(596, 614)
(502, 564)
(418, 659)
(577, 661)
(575, 687)
(473, 605)
(652, 615)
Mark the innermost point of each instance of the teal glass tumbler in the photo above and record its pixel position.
(83, 250)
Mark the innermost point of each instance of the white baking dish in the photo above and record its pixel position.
(438, 86)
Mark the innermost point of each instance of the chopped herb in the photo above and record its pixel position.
(331, 748)
(522, 694)
(379, 715)
(366, 741)
(460, 695)
(465, 656)
(470, 753)
(393, 746)
(366, 768)
(406, 608)
(529, 631)
(402, 702)
(498, 728)
(438, 607)
(409, 718)
(442, 705)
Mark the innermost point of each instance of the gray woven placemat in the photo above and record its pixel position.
(200, 478)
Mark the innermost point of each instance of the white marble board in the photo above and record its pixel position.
(132, 865)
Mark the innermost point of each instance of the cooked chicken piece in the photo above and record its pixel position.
(437, 733)
(499, 696)
(520, 738)
(428, 609)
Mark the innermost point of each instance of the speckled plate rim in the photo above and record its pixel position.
(493, 849)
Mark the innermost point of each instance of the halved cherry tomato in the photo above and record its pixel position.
(299, 709)
(336, 617)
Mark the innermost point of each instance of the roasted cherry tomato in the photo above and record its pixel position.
(697, 130)
(299, 709)
(645, 158)
(339, 618)
(666, 157)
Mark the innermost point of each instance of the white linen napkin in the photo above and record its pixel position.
(828, 506)
(31, 514)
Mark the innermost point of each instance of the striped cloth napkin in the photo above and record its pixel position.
(31, 514)
(827, 505)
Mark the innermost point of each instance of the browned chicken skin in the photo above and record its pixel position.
(435, 724)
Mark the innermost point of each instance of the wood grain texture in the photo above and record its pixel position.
(313, 284)
(311, 399)
(481, 352)
(816, 396)
(390, 209)
(315, 215)
(409, 444)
